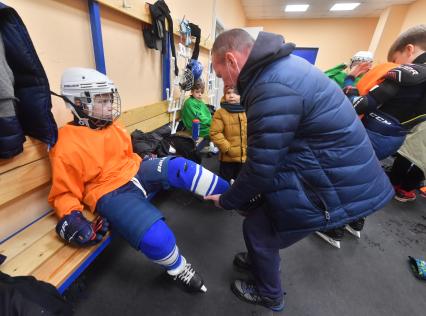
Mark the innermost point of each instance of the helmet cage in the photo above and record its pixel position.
(186, 80)
(99, 107)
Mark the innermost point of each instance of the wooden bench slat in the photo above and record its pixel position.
(21, 180)
(26, 238)
(63, 264)
(31, 153)
(150, 124)
(143, 113)
(23, 211)
(50, 270)
(31, 258)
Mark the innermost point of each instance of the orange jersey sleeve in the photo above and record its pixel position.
(374, 77)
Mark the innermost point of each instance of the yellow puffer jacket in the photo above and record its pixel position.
(229, 133)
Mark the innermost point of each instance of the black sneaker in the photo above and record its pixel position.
(190, 280)
(242, 261)
(247, 291)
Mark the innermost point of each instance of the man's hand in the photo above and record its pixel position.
(75, 229)
(215, 198)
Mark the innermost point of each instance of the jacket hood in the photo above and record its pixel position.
(267, 48)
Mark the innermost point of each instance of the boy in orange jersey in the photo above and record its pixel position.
(93, 164)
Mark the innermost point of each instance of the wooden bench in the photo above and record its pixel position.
(27, 236)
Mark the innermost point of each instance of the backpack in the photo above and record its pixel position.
(159, 143)
(26, 296)
(145, 144)
(184, 146)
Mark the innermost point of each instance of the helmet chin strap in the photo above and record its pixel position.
(71, 105)
(81, 121)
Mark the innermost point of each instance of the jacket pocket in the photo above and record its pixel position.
(313, 197)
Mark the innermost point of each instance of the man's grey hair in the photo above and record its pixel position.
(415, 35)
(232, 40)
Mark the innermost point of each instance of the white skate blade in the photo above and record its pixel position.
(203, 288)
(331, 241)
(353, 231)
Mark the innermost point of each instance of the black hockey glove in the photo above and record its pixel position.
(75, 229)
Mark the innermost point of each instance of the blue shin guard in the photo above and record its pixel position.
(159, 245)
(188, 175)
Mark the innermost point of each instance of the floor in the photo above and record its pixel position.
(367, 276)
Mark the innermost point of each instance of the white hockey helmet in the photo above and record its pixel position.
(91, 96)
(361, 57)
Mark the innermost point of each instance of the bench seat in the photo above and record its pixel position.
(37, 250)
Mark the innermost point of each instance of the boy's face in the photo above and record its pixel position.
(198, 94)
(102, 106)
(231, 97)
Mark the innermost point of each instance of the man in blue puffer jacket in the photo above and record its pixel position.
(308, 155)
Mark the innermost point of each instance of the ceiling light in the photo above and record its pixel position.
(344, 6)
(296, 7)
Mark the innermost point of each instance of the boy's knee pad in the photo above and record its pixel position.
(158, 242)
(188, 175)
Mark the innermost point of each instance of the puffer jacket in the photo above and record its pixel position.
(31, 89)
(11, 133)
(229, 133)
(307, 151)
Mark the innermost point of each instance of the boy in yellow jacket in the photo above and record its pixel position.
(228, 131)
(93, 164)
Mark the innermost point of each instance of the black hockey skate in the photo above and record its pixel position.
(189, 279)
(332, 236)
(356, 227)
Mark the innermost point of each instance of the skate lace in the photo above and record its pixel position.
(187, 274)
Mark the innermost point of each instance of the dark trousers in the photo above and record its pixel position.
(406, 174)
(230, 170)
(263, 243)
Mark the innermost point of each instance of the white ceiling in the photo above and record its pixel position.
(274, 9)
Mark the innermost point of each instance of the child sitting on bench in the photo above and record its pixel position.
(93, 164)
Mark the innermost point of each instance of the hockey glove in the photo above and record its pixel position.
(75, 229)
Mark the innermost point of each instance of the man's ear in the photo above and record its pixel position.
(410, 49)
(230, 59)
